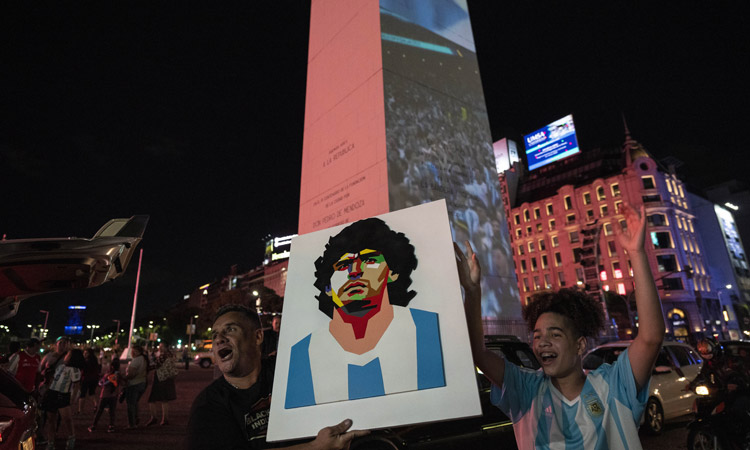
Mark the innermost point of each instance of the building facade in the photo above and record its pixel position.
(563, 219)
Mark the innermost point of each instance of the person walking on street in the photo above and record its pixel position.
(110, 384)
(63, 390)
(89, 378)
(163, 388)
(136, 376)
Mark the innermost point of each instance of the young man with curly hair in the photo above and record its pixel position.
(559, 406)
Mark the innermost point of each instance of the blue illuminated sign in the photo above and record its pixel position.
(551, 143)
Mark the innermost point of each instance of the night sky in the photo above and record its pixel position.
(195, 117)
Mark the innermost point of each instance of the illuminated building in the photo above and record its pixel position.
(562, 222)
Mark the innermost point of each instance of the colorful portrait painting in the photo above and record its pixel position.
(373, 327)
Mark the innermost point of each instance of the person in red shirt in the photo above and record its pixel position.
(24, 364)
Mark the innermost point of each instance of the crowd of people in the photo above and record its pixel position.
(70, 379)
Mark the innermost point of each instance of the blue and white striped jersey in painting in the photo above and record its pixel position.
(605, 415)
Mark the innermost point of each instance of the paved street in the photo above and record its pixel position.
(189, 384)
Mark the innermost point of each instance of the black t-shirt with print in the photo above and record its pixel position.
(224, 417)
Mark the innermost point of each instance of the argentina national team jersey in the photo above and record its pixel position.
(604, 416)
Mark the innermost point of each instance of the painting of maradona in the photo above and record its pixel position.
(373, 327)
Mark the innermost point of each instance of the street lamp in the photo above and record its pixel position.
(46, 317)
(92, 327)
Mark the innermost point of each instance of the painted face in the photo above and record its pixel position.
(556, 346)
(359, 281)
(236, 344)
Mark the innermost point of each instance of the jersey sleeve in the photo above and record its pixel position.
(519, 388)
(622, 385)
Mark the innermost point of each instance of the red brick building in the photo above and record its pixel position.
(561, 219)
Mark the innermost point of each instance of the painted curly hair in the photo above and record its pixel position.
(584, 311)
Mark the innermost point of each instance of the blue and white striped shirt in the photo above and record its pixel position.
(605, 415)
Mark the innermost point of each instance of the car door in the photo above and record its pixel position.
(686, 368)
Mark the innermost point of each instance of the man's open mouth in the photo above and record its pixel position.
(225, 353)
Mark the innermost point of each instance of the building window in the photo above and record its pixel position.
(672, 284)
(648, 182)
(517, 219)
(550, 209)
(661, 239)
(603, 210)
(690, 223)
(570, 218)
(657, 220)
(651, 198)
(573, 237)
(526, 285)
(561, 278)
(611, 248)
(518, 232)
(623, 225)
(523, 266)
(621, 288)
(520, 249)
(558, 259)
(544, 262)
(618, 207)
(551, 224)
(547, 281)
(615, 189)
(528, 231)
(579, 275)
(537, 214)
(531, 247)
(533, 265)
(608, 231)
(616, 270)
(589, 214)
(536, 283)
(600, 193)
(539, 228)
(682, 193)
(525, 215)
(666, 263)
(542, 245)
(587, 198)
(568, 203)
(555, 241)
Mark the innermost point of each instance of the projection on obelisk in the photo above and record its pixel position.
(395, 117)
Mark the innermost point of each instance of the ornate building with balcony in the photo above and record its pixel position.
(562, 220)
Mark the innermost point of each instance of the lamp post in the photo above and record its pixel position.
(191, 331)
(46, 317)
(92, 327)
(117, 331)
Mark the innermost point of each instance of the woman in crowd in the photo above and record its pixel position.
(136, 376)
(64, 387)
(163, 390)
(89, 378)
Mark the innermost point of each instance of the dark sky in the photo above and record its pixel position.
(195, 116)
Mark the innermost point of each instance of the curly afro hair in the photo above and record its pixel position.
(584, 312)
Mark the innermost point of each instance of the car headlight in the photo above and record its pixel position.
(701, 390)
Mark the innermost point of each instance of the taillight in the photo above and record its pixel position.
(719, 408)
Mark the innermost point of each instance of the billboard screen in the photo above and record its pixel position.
(506, 154)
(551, 143)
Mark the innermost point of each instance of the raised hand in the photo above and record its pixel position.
(469, 271)
(633, 238)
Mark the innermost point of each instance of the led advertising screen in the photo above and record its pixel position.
(551, 143)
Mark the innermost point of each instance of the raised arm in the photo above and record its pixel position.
(470, 275)
(645, 347)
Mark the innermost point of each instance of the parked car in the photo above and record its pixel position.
(491, 430)
(17, 415)
(204, 357)
(36, 266)
(676, 365)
